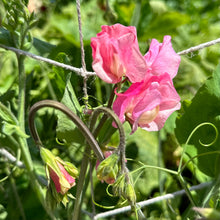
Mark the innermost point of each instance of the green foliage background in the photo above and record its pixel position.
(56, 36)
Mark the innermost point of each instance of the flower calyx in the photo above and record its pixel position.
(107, 170)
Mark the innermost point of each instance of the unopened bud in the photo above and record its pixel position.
(107, 170)
(119, 185)
(130, 194)
(62, 178)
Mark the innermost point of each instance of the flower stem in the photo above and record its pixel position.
(188, 193)
(76, 120)
(80, 185)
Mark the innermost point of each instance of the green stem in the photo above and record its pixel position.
(155, 167)
(180, 168)
(190, 136)
(188, 193)
(85, 161)
(104, 117)
(21, 96)
(23, 143)
(80, 185)
(77, 121)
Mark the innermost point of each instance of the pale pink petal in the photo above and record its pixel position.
(152, 53)
(103, 55)
(124, 100)
(118, 30)
(149, 102)
(161, 118)
(163, 60)
(120, 105)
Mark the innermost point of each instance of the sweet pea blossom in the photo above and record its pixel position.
(62, 173)
(161, 58)
(115, 53)
(149, 103)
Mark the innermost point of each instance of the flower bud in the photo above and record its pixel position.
(130, 194)
(119, 185)
(123, 187)
(62, 173)
(208, 213)
(107, 170)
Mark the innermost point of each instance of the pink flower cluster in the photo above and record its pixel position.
(151, 97)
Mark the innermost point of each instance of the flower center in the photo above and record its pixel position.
(148, 116)
(116, 66)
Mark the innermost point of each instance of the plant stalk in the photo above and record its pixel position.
(22, 141)
(188, 193)
(80, 185)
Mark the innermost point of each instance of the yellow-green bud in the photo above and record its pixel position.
(107, 170)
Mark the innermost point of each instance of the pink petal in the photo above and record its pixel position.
(55, 179)
(118, 30)
(161, 118)
(102, 55)
(124, 100)
(162, 58)
(116, 54)
(67, 176)
(150, 101)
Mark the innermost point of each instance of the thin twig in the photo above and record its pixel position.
(199, 47)
(83, 63)
(11, 158)
(150, 201)
(81, 35)
(79, 71)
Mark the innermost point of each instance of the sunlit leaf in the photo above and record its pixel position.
(204, 108)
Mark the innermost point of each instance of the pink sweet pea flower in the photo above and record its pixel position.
(149, 103)
(161, 58)
(115, 53)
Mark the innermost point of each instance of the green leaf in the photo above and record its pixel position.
(106, 133)
(124, 12)
(164, 24)
(42, 47)
(5, 37)
(10, 129)
(66, 129)
(7, 115)
(203, 108)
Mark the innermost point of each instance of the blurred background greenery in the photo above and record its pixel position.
(188, 22)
